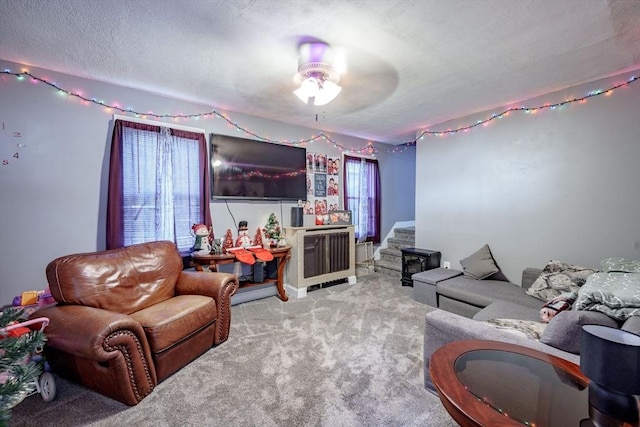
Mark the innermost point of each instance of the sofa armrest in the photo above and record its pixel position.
(82, 343)
(82, 330)
(442, 327)
(219, 286)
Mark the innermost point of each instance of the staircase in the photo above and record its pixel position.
(390, 262)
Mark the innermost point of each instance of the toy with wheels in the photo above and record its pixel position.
(42, 382)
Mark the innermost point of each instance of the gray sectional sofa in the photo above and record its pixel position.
(465, 306)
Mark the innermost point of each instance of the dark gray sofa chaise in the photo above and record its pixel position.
(452, 291)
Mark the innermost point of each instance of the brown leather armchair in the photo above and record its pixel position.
(128, 318)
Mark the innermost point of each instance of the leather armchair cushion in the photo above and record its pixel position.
(174, 320)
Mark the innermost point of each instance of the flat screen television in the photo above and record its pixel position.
(247, 169)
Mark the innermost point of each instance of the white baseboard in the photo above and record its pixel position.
(295, 292)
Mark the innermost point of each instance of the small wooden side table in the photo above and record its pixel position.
(280, 256)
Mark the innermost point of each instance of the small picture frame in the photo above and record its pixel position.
(340, 217)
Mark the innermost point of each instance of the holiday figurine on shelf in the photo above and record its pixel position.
(243, 240)
(216, 247)
(257, 239)
(272, 230)
(228, 241)
(202, 245)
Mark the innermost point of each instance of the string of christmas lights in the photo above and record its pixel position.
(369, 149)
(531, 110)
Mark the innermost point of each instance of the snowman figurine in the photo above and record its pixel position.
(243, 240)
(202, 245)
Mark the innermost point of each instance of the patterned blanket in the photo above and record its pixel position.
(615, 294)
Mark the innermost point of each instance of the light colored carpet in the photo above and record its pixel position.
(348, 355)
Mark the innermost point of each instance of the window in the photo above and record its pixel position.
(158, 185)
(362, 196)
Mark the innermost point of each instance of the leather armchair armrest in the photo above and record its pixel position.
(219, 286)
(82, 331)
(215, 285)
(103, 350)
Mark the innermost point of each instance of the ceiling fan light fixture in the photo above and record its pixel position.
(327, 94)
(309, 88)
(317, 80)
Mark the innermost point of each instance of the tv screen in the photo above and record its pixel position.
(248, 169)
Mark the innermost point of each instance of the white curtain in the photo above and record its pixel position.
(363, 203)
(358, 197)
(160, 186)
(164, 207)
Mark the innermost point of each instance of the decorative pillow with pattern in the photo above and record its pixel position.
(528, 328)
(559, 277)
(620, 265)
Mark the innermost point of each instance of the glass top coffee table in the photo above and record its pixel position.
(489, 383)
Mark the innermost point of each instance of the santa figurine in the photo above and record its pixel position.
(243, 240)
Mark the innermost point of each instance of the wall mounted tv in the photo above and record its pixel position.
(248, 169)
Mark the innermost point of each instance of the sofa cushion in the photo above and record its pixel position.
(558, 277)
(175, 319)
(435, 275)
(564, 329)
(479, 264)
(507, 310)
(481, 293)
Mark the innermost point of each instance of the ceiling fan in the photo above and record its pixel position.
(319, 70)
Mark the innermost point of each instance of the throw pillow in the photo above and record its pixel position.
(620, 265)
(632, 324)
(564, 330)
(558, 277)
(480, 264)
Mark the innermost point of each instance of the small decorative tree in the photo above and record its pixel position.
(257, 239)
(272, 230)
(228, 241)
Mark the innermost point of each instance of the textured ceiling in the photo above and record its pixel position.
(410, 64)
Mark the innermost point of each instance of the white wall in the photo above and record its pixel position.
(559, 184)
(398, 186)
(53, 198)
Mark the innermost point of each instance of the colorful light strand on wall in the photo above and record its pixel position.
(368, 149)
(531, 110)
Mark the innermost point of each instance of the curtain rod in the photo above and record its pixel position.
(158, 123)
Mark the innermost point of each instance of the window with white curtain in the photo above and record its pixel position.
(362, 196)
(158, 184)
